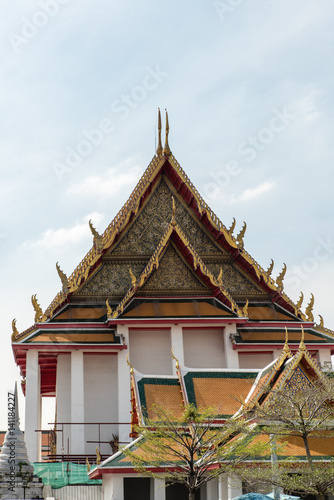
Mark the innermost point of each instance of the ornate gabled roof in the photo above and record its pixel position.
(131, 241)
(197, 263)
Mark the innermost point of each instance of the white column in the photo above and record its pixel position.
(159, 489)
(113, 487)
(124, 394)
(63, 395)
(325, 357)
(231, 355)
(177, 344)
(234, 488)
(222, 487)
(33, 406)
(77, 445)
(212, 490)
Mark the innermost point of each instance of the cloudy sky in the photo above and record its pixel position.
(249, 90)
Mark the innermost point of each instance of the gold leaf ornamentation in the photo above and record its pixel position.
(15, 331)
(280, 278)
(232, 226)
(37, 308)
(109, 309)
(159, 148)
(240, 237)
(63, 278)
(97, 240)
(270, 268)
(133, 278)
(309, 309)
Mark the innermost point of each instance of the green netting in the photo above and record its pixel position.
(59, 474)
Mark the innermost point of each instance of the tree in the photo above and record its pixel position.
(191, 450)
(301, 415)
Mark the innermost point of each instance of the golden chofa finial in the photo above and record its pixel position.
(173, 220)
(166, 151)
(177, 364)
(15, 331)
(129, 363)
(270, 268)
(300, 301)
(240, 237)
(309, 309)
(109, 309)
(232, 226)
(280, 278)
(133, 278)
(37, 308)
(286, 347)
(302, 343)
(159, 148)
(63, 278)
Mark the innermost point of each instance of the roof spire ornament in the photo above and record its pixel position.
(109, 309)
(270, 268)
(97, 240)
(286, 347)
(280, 278)
(309, 309)
(63, 278)
(321, 324)
(240, 237)
(245, 309)
(129, 363)
(300, 301)
(302, 343)
(133, 278)
(166, 151)
(37, 308)
(15, 331)
(159, 148)
(177, 364)
(232, 226)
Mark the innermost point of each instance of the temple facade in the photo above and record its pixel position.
(166, 273)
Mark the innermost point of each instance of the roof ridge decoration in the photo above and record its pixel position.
(37, 308)
(181, 380)
(153, 264)
(321, 327)
(131, 207)
(159, 148)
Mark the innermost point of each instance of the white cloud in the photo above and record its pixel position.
(252, 193)
(114, 180)
(56, 238)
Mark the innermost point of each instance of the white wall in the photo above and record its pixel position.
(150, 351)
(255, 360)
(63, 395)
(101, 400)
(203, 348)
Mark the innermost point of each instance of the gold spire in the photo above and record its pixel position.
(177, 364)
(109, 309)
(309, 309)
(97, 240)
(37, 308)
(173, 220)
(166, 151)
(300, 301)
(15, 331)
(240, 237)
(133, 278)
(286, 347)
(270, 268)
(302, 344)
(159, 148)
(280, 278)
(63, 278)
(129, 363)
(232, 226)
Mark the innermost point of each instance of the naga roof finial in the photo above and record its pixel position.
(240, 237)
(302, 343)
(280, 278)
(286, 347)
(177, 364)
(37, 308)
(159, 148)
(15, 331)
(309, 309)
(166, 151)
(63, 278)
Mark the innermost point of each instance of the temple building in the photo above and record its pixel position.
(166, 273)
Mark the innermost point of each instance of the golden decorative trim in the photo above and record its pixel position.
(245, 309)
(97, 240)
(88, 464)
(15, 331)
(220, 277)
(159, 148)
(309, 309)
(173, 220)
(63, 279)
(280, 278)
(321, 324)
(300, 301)
(177, 364)
(109, 309)
(98, 456)
(166, 151)
(37, 308)
(129, 363)
(302, 343)
(240, 237)
(286, 346)
(153, 264)
(270, 268)
(232, 226)
(133, 277)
